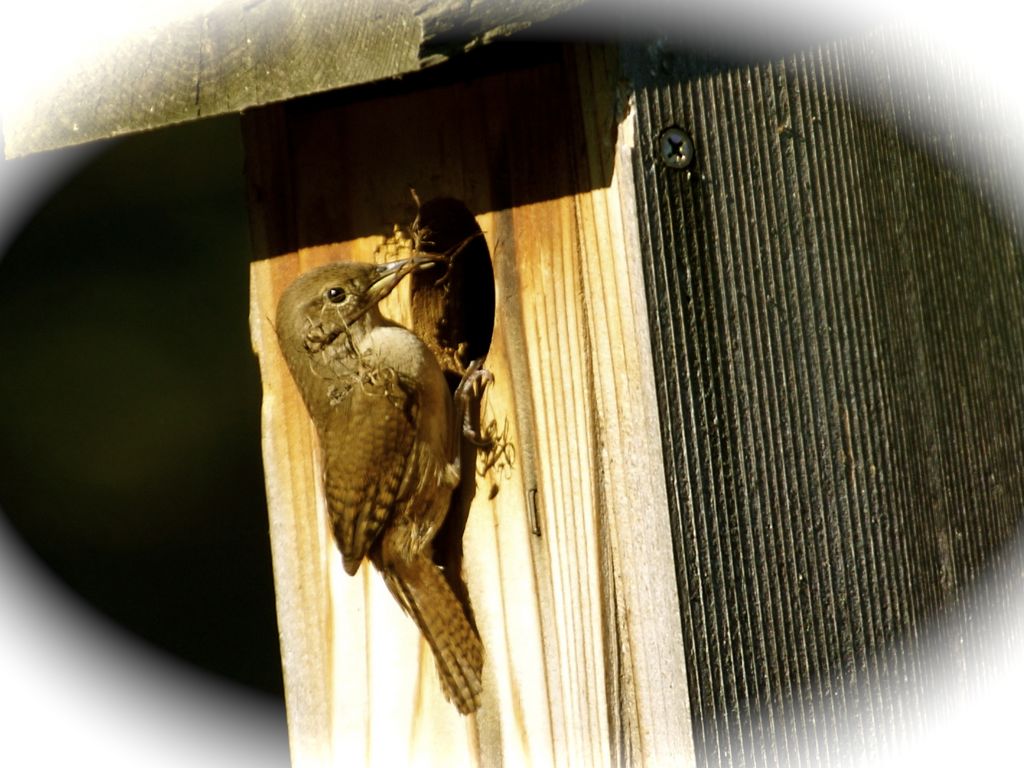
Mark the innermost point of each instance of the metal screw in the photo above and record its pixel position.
(676, 147)
(533, 513)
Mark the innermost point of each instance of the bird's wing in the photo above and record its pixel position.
(368, 446)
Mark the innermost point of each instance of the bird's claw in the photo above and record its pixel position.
(474, 383)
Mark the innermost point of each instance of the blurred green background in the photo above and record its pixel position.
(129, 396)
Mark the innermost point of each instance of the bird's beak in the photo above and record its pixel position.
(389, 275)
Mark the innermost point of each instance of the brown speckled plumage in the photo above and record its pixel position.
(390, 445)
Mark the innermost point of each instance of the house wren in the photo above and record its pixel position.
(389, 433)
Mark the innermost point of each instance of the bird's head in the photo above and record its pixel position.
(339, 298)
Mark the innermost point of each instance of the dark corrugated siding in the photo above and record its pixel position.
(838, 327)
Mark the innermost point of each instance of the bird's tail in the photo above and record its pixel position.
(422, 590)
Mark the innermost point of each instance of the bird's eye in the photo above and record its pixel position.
(336, 295)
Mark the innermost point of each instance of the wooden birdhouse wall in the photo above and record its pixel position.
(566, 550)
(764, 404)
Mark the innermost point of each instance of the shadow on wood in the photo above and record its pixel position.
(497, 131)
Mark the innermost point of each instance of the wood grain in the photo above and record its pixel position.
(580, 625)
(239, 54)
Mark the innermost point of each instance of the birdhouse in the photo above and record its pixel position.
(749, 455)
(518, 163)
